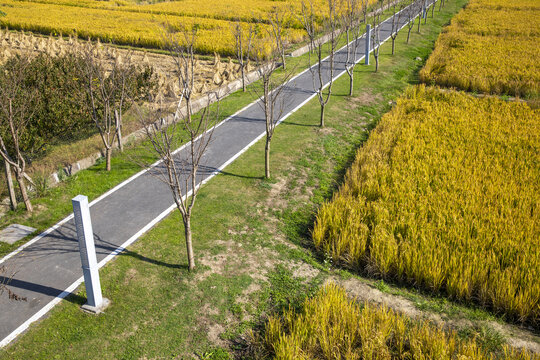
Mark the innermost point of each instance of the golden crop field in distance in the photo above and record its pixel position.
(490, 46)
(445, 196)
(331, 326)
(129, 23)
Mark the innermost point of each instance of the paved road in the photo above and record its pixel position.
(50, 267)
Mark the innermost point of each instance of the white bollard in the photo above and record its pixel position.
(368, 45)
(83, 223)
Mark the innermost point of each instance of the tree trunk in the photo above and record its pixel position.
(409, 34)
(351, 81)
(393, 45)
(322, 114)
(440, 5)
(243, 77)
(118, 121)
(283, 58)
(419, 21)
(189, 243)
(11, 189)
(377, 63)
(267, 158)
(425, 16)
(22, 186)
(108, 152)
(432, 10)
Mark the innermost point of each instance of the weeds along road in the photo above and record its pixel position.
(48, 268)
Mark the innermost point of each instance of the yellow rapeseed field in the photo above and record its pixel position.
(490, 46)
(330, 326)
(445, 195)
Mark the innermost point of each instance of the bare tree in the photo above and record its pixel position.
(420, 11)
(364, 8)
(331, 23)
(279, 22)
(16, 110)
(107, 88)
(411, 14)
(243, 41)
(396, 17)
(307, 19)
(376, 40)
(271, 97)
(351, 27)
(181, 170)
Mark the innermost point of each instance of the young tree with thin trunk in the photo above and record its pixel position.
(351, 26)
(16, 110)
(243, 38)
(278, 24)
(271, 93)
(411, 17)
(331, 22)
(396, 17)
(364, 8)
(108, 91)
(420, 11)
(166, 133)
(307, 19)
(376, 40)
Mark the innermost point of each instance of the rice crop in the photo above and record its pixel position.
(124, 27)
(490, 47)
(445, 195)
(332, 326)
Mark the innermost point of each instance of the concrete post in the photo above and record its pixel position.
(95, 301)
(368, 43)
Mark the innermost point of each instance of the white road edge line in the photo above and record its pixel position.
(160, 217)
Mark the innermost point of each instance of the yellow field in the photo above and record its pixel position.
(445, 196)
(492, 47)
(122, 27)
(330, 326)
(127, 23)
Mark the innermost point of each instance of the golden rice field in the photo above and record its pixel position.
(445, 196)
(331, 326)
(491, 47)
(129, 23)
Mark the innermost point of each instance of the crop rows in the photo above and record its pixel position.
(445, 196)
(330, 326)
(490, 47)
(121, 27)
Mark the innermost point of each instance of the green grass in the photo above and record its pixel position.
(246, 234)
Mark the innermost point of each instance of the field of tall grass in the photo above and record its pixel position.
(331, 326)
(490, 47)
(445, 196)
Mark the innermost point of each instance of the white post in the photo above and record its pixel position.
(368, 45)
(83, 223)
